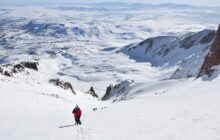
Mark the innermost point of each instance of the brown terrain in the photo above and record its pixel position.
(213, 57)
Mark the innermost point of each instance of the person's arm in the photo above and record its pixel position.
(73, 111)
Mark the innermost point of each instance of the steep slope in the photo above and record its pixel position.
(186, 52)
(76, 45)
(212, 60)
(27, 113)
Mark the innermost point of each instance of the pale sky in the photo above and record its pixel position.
(192, 2)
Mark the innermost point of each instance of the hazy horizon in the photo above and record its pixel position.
(215, 3)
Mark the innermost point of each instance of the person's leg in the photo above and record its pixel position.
(76, 120)
(79, 121)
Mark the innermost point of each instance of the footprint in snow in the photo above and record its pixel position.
(80, 133)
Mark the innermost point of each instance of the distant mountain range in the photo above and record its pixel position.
(108, 6)
(191, 54)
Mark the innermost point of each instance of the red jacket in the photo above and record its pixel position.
(77, 112)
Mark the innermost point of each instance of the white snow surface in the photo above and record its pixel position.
(77, 44)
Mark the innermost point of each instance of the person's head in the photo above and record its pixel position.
(77, 106)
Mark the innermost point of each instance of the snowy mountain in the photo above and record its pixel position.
(54, 57)
(186, 52)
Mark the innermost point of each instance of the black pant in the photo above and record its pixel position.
(77, 119)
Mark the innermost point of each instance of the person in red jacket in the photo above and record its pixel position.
(77, 114)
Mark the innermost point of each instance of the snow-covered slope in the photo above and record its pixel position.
(32, 110)
(75, 45)
(186, 52)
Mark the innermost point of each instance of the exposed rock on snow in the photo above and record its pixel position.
(92, 92)
(213, 57)
(10, 69)
(62, 84)
(30, 65)
(118, 92)
(5, 72)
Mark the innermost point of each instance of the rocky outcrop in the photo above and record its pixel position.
(10, 69)
(5, 72)
(119, 91)
(30, 65)
(108, 93)
(92, 92)
(62, 84)
(213, 57)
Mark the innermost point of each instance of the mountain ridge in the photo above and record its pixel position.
(169, 51)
